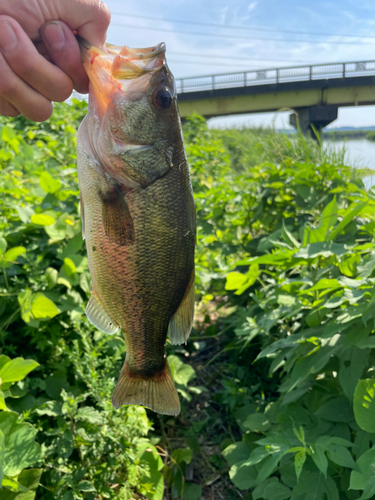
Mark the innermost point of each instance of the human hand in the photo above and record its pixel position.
(40, 60)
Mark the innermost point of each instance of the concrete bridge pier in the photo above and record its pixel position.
(317, 116)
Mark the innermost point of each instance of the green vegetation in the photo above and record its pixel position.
(339, 135)
(277, 380)
(370, 136)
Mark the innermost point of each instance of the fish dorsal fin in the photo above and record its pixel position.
(182, 320)
(117, 220)
(98, 316)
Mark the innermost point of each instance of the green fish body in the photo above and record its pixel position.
(138, 217)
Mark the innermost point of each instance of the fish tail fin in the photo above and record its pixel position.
(157, 392)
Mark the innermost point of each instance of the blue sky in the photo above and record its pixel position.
(251, 34)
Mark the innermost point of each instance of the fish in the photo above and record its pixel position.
(138, 216)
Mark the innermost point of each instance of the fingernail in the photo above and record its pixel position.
(8, 38)
(53, 35)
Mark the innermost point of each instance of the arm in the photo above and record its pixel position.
(40, 61)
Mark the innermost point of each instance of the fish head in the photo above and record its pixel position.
(133, 119)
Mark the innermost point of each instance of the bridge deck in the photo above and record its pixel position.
(341, 84)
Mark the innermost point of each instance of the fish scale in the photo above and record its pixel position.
(139, 223)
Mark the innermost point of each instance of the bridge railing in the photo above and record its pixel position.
(275, 75)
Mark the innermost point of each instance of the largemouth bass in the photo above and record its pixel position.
(138, 217)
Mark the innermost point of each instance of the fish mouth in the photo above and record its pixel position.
(123, 63)
(120, 69)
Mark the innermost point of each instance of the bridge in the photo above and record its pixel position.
(313, 92)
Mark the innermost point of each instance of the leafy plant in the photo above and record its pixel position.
(276, 381)
(18, 449)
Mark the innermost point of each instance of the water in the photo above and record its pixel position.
(360, 153)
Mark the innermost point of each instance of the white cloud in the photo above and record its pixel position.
(252, 6)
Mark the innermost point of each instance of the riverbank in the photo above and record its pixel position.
(339, 135)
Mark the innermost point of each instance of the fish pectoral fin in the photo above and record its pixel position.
(99, 317)
(182, 320)
(117, 220)
(157, 392)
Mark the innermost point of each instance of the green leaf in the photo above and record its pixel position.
(299, 460)
(341, 456)
(24, 299)
(349, 266)
(13, 485)
(288, 237)
(351, 368)
(321, 249)
(3, 406)
(2, 455)
(182, 373)
(50, 408)
(329, 217)
(311, 486)
(331, 489)
(336, 410)
(8, 134)
(69, 267)
(89, 414)
(4, 360)
(182, 455)
(241, 414)
(152, 485)
(271, 489)
(3, 245)
(259, 454)
(256, 422)
(323, 284)
(364, 479)
(269, 465)
(352, 212)
(25, 213)
(243, 475)
(49, 184)
(29, 479)
(192, 491)
(86, 486)
(51, 275)
(251, 277)
(42, 307)
(11, 255)
(17, 369)
(364, 404)
(85, 282)
(73, 247)
(319, 458)
(149, 454)
(64, 227)
(235, 280)
(21, 451)
(42, 219)
(237, 452)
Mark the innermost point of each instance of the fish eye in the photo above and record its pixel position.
(163, 98)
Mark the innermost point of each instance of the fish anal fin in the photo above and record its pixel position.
(99, 317)
(82, 216)
(182, 320)
(157, 392)
(117, 220)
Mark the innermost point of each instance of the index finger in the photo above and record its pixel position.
(90, 18)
